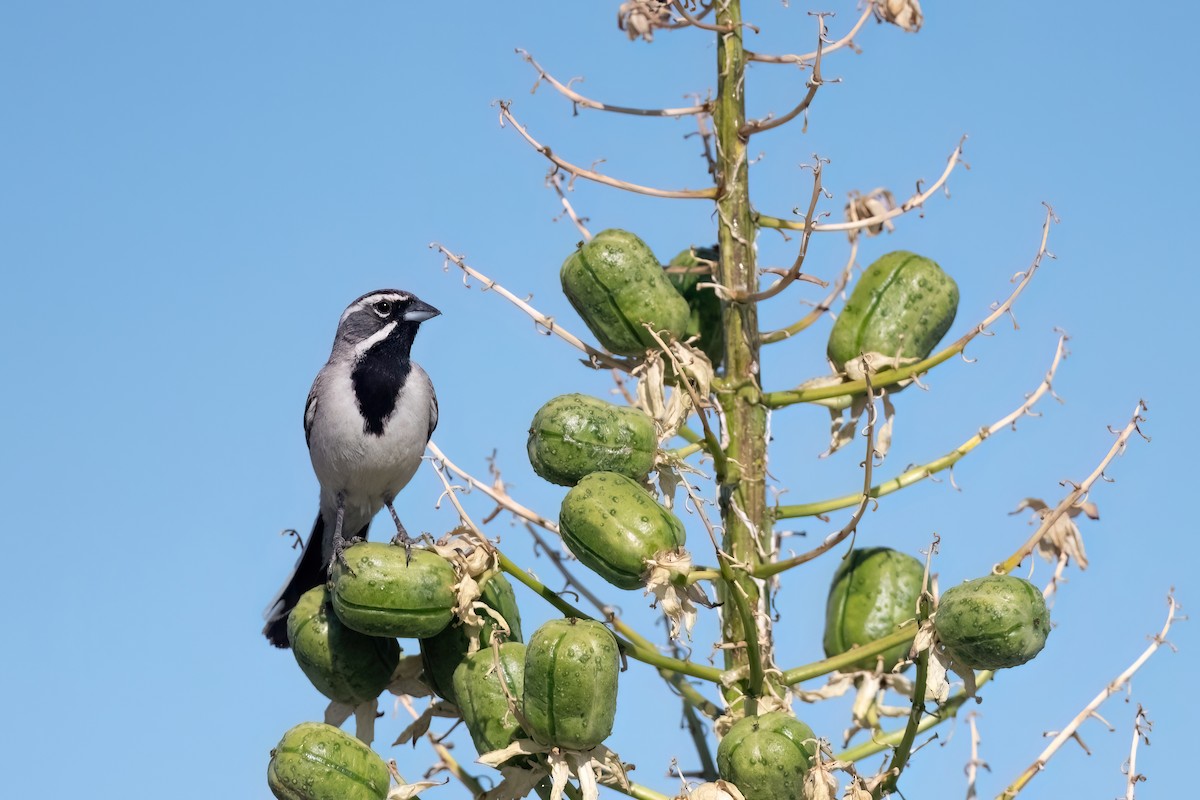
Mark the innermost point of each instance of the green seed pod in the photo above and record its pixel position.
(767, 756)
(705, 320)
(613, 526)
(344, 665)
(375, 592)
(571, 671)
(616, 284)
(315, 761)
(992, 622)
(873, 591)
(442, 653)
(902, 306)
(479, 683)
(574, 435)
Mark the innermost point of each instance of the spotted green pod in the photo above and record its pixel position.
(344, 665)
(992, 622)
(575, 434)
(873, 590)
(376, 591)
(613, 526)
(902, 306)
(767, 756)
(704, 320)
(315, 761)
(483, 683)
(443, 652)
(617, 285)
(571, 669)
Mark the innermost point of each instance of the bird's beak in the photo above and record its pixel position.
(419, 312)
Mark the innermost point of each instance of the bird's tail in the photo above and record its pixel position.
(311, 570)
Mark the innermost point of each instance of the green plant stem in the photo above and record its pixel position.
(742, 482)
(684, 452)
(702, 574)
(904, 748)
(904, 479)
(637, 791)
(454, 768)
(904, 633)
(638, 652)
(880, 380)
(881, 742)
(754, 682)
(708, 768)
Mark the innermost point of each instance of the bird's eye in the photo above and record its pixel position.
(383, 308)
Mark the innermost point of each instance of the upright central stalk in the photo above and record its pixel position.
(742, 485)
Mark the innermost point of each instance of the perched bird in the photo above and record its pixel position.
(369, 415)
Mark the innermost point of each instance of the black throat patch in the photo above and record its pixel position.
(379, 374)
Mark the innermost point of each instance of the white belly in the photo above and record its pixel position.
(368, 470)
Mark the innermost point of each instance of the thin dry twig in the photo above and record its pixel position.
(892, 376)
(794, 273)
(695, 19)
(554, 181)
(1078, 494)
(972, 768)
(580, 172)
(598, 359)
(496, 493)
(922, 471)
(815, 81)
(916, 201)
(580, 101)
(1141, 733)
(821, 308)
(1089, 710)
(830, 542)
(804, 58)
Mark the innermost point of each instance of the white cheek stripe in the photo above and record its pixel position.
(375, 338)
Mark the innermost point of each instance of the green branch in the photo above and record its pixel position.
(883, 741)
(904, 633)
(638, 652)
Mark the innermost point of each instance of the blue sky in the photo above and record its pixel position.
(193, 192)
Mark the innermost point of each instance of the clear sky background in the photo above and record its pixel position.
(192, 192)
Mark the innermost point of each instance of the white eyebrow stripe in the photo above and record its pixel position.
(371, 299)
(373, 339)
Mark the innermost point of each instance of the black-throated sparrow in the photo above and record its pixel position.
(369, 415)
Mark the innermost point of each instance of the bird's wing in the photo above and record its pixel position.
(310, 410)
(433, 414)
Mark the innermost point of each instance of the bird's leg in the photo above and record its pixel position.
(401, 536)
(339, 544)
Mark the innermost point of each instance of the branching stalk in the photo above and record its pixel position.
(1090, 709)
(922, 471)
(580, 101)
(814, 83)
(1076, 495)
(598, 359)
(746, 536)
(864, 499)
(901, 635)
(647, 655)
(883, 741)
(916, 201)
(804, 58)
(591, 175)
(889, 377)
(821, 308)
